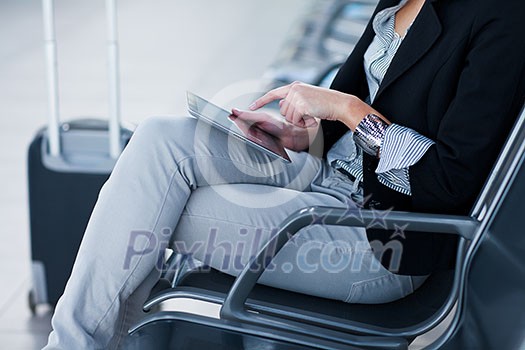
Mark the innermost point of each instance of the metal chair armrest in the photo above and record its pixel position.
(234, 305)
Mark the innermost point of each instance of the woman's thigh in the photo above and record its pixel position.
(207, 156)
(224, 226)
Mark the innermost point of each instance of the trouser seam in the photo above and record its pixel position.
(211, 218)
(122, 325)
(236, 162)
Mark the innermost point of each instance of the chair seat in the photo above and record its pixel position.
(409, 311)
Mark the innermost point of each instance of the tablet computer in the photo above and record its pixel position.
(250, 134)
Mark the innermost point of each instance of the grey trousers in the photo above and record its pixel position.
(209, 195)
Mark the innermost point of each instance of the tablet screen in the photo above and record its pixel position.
(220, 118)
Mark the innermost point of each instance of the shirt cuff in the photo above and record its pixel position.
(401, 147)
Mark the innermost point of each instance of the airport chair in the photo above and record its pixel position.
(265, 315)
(399, 322)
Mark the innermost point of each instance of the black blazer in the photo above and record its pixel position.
(459, 79)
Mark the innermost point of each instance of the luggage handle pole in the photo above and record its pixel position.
(52, 77)
(115, 147)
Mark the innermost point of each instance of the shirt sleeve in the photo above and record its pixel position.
(401, 148)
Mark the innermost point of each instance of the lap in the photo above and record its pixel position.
(227, 225)
(238, 197)
(206, 156)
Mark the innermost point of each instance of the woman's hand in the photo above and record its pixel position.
(292, 137)
(303, 105)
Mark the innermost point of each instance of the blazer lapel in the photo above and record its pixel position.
(423, 34)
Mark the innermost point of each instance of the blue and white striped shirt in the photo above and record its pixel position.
(402, 147)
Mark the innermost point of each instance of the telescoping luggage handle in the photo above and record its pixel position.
(115, 144)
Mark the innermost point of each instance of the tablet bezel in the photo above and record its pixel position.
(200, 113)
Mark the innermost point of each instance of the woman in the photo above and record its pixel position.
(414, 120)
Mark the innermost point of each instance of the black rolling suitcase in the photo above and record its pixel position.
(67, 165)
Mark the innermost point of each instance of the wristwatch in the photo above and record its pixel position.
(369, 134)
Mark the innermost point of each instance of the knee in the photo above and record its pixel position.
(158, 128)
(162, 132)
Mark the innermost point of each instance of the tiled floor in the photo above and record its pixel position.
(167, 47)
